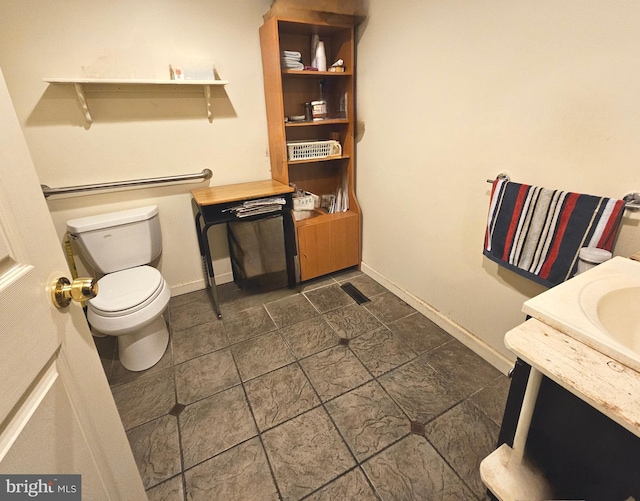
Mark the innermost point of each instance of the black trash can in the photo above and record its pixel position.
(257, 253)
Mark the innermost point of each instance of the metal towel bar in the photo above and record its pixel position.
(502, 175)
(632, 199)
(205, 174)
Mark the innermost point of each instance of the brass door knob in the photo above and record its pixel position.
(81, 289)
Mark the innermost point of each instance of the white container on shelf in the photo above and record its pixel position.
(308, 201)
(590, 257)
(321, 57)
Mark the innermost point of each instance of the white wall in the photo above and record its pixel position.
(450, 93)
(139, 133)
(453, 92)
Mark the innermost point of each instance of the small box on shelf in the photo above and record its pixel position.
(306, 201)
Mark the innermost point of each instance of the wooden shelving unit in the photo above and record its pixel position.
(325, 242)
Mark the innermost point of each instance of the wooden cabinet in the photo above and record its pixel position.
(326, 242)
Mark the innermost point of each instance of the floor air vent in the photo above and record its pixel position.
(358, 296)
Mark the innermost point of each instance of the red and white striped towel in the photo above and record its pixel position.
(538, 232)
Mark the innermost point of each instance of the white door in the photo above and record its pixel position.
(57, 415)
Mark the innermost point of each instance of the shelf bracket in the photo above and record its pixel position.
(207, 101)
(82, 99)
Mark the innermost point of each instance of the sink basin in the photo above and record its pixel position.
(600, 308)
(613, 305)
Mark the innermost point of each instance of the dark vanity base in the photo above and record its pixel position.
(582, 453)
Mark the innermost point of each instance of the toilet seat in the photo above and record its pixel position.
(128, 300)
(126, 291)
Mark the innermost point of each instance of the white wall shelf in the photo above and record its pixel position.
(79, 85)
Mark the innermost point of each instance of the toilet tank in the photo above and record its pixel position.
(118, 240)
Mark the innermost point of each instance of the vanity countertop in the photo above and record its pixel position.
(608, 386)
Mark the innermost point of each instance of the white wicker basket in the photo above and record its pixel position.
(306, 150)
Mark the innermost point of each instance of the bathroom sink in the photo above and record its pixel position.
(600, 308)
(614, 306)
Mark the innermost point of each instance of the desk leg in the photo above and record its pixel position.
(290, 247)
(207, 263)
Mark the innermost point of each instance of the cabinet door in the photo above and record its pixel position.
(329, 245)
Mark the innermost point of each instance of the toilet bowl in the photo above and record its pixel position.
(132, 296)
(130, 304)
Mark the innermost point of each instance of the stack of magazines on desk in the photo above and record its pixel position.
(255, 207)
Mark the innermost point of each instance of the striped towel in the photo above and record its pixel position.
(538, 233)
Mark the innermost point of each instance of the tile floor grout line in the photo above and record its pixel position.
(175, 396)
(450, 466)
(300, 413)
(343, 474)
(178, 426)
(373, 379)
(181, 474)
(395, 402)
(377, 494)
(217, 454)
(315, 406)
(322, 404)
(259, 433)
(416, 355)
(477, 406)
(150, 419)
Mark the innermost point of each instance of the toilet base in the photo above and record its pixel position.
(143, 349)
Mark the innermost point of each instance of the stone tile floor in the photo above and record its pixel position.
(305, 394)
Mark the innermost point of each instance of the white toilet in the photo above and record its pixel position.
(131, 295)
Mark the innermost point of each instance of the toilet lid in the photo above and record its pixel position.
(127, 290)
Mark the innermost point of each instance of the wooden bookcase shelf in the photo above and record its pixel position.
(314, 160)
(313, 73)
(325, 242)
(328, 121)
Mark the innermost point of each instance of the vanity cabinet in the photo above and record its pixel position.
(582, 438)
(581, 453)
(326, 242)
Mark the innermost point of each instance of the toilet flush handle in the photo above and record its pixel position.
(81, 289)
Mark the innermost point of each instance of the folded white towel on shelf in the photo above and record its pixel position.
(292, 65)
(292, 54)
(291, 60)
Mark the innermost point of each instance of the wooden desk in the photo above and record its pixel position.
(210, 207)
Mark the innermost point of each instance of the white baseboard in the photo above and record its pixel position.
(224, 278)
(179, 289)
(196, 285)
(471, 341)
